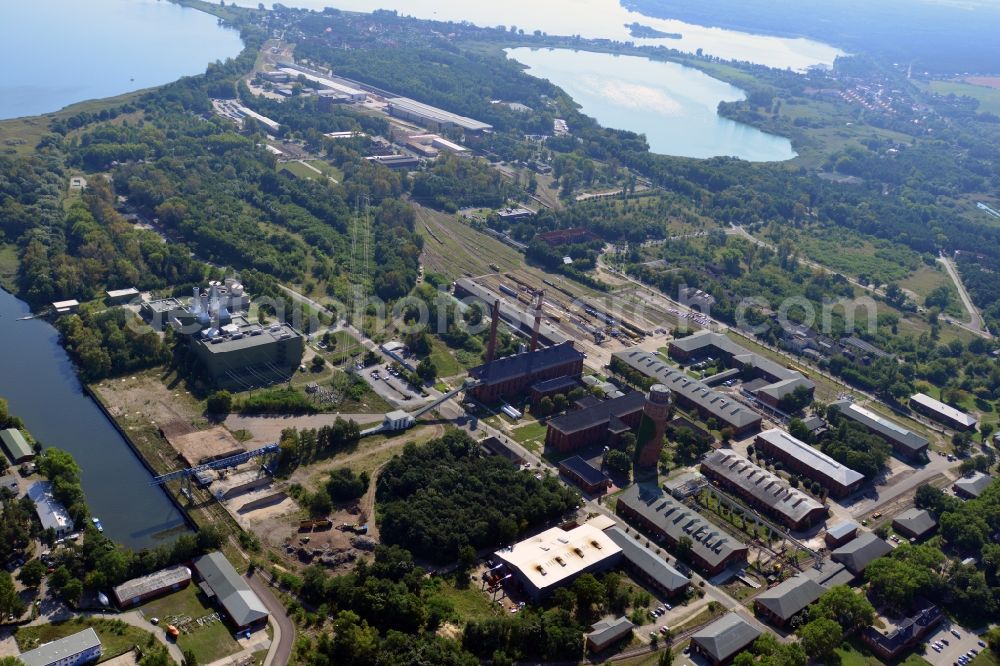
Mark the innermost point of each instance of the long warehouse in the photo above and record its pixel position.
(810, 462)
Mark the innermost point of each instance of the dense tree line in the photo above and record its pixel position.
(436, 498)
(110, 342)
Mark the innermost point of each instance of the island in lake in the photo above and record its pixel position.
(647, 32)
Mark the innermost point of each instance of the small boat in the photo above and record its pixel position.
(97, 524)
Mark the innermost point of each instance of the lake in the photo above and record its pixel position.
(40, 385)
(674, 106)
(598, 19)
(66, 51)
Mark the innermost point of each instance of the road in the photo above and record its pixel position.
(975, 320)
(284, 630)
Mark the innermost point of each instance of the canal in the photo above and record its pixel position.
(39, 382)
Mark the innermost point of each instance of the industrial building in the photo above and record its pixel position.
(840, 533)
(51, 513)
(552, 387)
(647, 566)
(906, 443)
(942, 413)
(856, 555)
(796, 455)
(600, 423)
(158, 313)
(433, 144)
(784, 601)
(590, 479)
(396, 161)
(973, 485)
(669, 521)
(120, 296)
(519, 320)
(221, 582)
(16, 446)
(915, 523)
(513, 375)
(779, 380)
(763, 490)
(605, 633)
(344, 90)
(557, 557)
(725, 638)
(66, 307)
(433, 117)
(79, 648)
(140, 590)
(689, 393)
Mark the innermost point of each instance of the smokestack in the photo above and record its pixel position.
(491, 345)
(538, 321)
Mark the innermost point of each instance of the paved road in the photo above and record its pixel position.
(284, 630)
(975, 321)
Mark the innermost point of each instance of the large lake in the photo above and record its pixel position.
(598, 19)
(40, 385)
(65, 51)
(674, 106)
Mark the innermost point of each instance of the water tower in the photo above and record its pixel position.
(655, 414)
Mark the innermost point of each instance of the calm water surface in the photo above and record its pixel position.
(673, 105)
(597, 19)
(40, 385)
(65, 51)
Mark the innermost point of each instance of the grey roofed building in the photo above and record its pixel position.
(230, 589)
(840, 532)
(914, 523)
(856, 555)
(604, 633)
(904, 441)
(78, 648)
(972, 486)
(725, 638)
(780, 389)
(814, 463)
(689, 392)
(51, 512)
(860, 345)
(783, 601)
(711, 546)
(829, 573)
(653, 567)
(137, 590)
(763, 489)
(942, 412)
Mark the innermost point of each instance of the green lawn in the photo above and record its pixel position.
(116, 637)
(301, 170)
(532, 432)
(445, 362)
(989, 98)
(210, 641)
(855, 653)
(984, 658)
(469, 603)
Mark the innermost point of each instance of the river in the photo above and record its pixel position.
(66, 51)
(674, 106)
(40, 384)
(599, 19)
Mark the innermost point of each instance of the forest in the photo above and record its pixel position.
(438, 497)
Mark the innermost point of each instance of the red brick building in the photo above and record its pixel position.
(512, 376)
(598, 423)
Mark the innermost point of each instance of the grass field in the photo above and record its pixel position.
(116, 637)
(989, 98)
(469, 603)
(209, 642)
(854, 653)
(319, 169)
(8, 266)
(444, 360)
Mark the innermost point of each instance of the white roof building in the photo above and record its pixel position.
(50, 511)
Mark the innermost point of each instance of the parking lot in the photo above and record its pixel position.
(952, 651)
(392, 388)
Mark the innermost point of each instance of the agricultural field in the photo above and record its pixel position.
(989, 97)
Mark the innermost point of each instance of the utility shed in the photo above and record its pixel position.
(222, 582)
(79, 648)
(722, 640)
(606, 632)
(16, 447)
